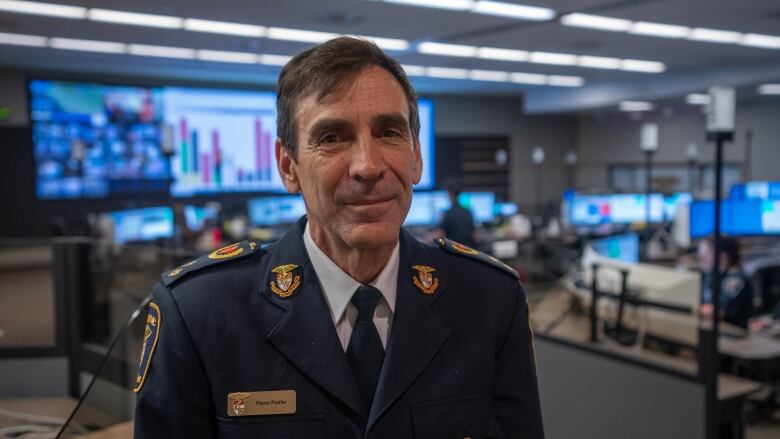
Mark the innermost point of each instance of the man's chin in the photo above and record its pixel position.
(371, 235)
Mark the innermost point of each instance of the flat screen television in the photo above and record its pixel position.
(593, 210)
(623, 248)
(748, 217)
(141, 225)
(95, 141)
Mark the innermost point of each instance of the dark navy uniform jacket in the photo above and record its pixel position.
(459, 360)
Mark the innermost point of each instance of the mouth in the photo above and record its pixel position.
(369, 201)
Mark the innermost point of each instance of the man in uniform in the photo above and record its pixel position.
(736, 294)
(348, 327)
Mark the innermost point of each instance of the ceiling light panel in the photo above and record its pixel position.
(412, 70)
(528, 78)
(597, 22)
(769, 89)
(561, 59)
(598, 62)
(161, 51)
(224, 27)
(453, 5)
(273, 60)
(565, 81)
(502, 54)
(447, 73)
(87, 45)
(386, 43)
(636, 65)
(714, 36)
(303, 36)
(659, 30)
(460, 50)
(23, 40)
(48, 9)
(513, 10)
(229, 57)
(489, 75)
(763, 41)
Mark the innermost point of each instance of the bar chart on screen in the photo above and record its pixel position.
(222, 141)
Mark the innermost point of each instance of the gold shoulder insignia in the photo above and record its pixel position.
(227, 253)
(151, 335)
(463, 250)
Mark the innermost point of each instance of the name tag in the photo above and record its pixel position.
(274, 402)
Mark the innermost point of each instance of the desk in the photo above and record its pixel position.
(757, 357)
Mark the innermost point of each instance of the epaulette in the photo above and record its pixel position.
(227, 253)
(463, 250)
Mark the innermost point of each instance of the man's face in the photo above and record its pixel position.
(356, 161)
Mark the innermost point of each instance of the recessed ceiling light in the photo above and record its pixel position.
(636, 65)
(161, 51)
(714, 36)
(304, 36)
(598, 62)
(528, 78)
(513, 10)
(561, 59)
(432, 48)
(48, 9)
(414, 70)
(698, 99)
(447, 73)
(763, 41)
(489, 75)
(224, 27)
(659, 30)
(386, 43)
(455, 5)
(502, 54)
(769, 89)
(597, 22)
(23, 40)
(134, 18)
(565, 81)
(635, 106)
(87, 45)
(273, 60)
(230, 57)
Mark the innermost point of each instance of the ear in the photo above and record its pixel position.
(286, 166)
(418, 162)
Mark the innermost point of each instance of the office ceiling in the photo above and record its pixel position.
(690, 65)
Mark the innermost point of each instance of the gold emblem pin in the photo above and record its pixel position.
(426, 280)
(286, 283)
(238, 402)
(227, 252)
(460, 248)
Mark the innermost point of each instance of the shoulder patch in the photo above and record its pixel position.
(151, 334)
(462, 250)
(227, 253)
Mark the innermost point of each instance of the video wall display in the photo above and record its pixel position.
(97, 141)
(740, 217)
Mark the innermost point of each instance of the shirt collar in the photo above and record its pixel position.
(339, 287)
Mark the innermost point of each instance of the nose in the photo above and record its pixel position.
(367, 160)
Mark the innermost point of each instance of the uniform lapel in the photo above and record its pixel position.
(305, 333)
(416, 335)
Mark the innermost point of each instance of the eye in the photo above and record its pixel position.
(330, 138)
(390, 133)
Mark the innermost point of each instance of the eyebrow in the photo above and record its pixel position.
(325, 125)
(396, 119)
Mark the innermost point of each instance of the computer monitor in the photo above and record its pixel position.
(275, 210)
(505, 209)
(480, 204)
(672, 202)
(748, 217)
(141, 225)
(196, 216)
(95, 140)
(592, 210)
(427, 208)
(623, 248)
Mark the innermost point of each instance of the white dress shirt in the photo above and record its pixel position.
(339, 287)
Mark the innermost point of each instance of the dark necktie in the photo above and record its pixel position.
(365, 352)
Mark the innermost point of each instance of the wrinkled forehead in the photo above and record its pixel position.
(365, 94)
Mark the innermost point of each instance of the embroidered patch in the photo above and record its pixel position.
(426, 280)
(151, 335)
(227, 251)
(286, 280)
(176, 271)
